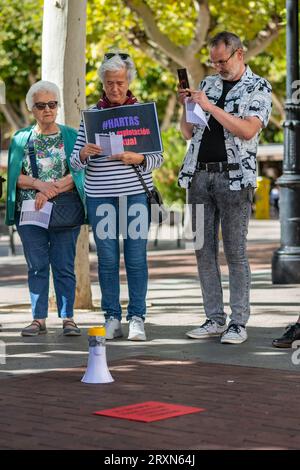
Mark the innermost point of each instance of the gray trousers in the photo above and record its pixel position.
(232, 209)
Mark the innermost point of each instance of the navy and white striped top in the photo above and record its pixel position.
(112, 178)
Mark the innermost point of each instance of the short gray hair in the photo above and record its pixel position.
(227, 38)
(116, 63)
(39, 86)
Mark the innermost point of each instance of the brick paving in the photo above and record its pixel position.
(246, 408)
(260, 255)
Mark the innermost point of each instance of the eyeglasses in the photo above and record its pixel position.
(109, 55)
(219, 63)
(40, 105)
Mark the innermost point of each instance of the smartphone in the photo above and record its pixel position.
(183, 79)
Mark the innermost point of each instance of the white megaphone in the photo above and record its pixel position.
(97, 371)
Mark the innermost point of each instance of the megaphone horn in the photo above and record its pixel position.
(97, 371)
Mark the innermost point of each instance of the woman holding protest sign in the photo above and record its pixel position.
(117, 204)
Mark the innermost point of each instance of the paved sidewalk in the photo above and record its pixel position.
(251, 390)
(245, 408)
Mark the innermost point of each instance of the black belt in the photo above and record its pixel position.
(217, 166)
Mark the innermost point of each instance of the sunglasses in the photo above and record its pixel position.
(109, 55)
(40, 105)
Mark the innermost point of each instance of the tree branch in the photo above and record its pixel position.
(160, 48)
(11, 116)
(140, 40)
(276, 122)
(201, 28)
(169, 112)
(153, 32)
(264, 38)
(31, 78)
(26, 114)
(278, 105)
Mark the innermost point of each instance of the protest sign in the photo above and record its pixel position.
(137, 123)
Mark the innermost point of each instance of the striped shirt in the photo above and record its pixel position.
(105, 178)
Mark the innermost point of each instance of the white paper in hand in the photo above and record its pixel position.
(195, 114)
(111, 144)
(30, 216)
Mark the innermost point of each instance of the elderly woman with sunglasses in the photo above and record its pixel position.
(53, 145)
(113, 194)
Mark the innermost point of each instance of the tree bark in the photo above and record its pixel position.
(169, 112)
(11, 116)
(63, 62)
(164, 50)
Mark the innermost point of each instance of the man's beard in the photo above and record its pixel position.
(226, 75)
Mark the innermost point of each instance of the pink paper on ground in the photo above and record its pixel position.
(148, 411)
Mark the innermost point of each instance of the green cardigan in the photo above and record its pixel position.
(15, 159)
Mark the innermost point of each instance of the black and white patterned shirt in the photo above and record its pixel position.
(105, 178)
(251, 96)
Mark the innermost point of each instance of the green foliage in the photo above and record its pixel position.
(20, 45)
(111, 24)
(271, 134)
(166, 177)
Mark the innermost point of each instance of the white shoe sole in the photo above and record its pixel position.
(208, 335)
(137, 338)
(233, 341)
(117, 334)
(212, 335)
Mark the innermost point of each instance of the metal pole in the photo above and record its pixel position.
(286, 260)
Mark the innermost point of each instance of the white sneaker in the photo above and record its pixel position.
(113, 328)
(235, 334)
(136, 329)
(209, 329)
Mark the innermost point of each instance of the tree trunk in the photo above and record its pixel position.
(63, 62)
(83, 297)
(169, 112)
(11, 116)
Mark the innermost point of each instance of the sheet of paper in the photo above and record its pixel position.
(195, 114)
(30, 216)
(111, 144)
(117, 146)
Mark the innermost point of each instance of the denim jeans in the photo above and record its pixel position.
(232, 209)
(43, 248)
(110, 217)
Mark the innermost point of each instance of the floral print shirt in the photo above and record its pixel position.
(51, 162)
(251, 96)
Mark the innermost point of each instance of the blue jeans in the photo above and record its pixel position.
(43, 248)
(232, 209)
(110, 217)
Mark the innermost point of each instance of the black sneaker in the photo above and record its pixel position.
(292, 333)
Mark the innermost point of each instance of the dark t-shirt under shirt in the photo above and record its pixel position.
(212, 147)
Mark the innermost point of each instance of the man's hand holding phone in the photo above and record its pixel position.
(183, 85)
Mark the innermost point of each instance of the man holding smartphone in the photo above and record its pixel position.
(220, 171)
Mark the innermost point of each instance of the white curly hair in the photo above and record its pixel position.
(39, 86)
(115, 63)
